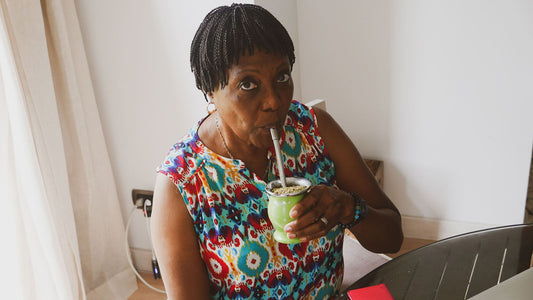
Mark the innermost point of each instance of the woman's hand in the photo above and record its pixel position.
(320, 210)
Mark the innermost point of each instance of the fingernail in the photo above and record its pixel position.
(293, 213)
(291, 235)
(288, 228)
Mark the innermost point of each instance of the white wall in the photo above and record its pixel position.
(440, 90)
(138, 54)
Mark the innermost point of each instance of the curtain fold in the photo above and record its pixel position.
(65, 229)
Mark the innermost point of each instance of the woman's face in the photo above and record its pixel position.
(256, 98)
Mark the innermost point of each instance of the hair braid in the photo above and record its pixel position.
(229, 32)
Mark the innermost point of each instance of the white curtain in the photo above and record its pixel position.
(63, 227)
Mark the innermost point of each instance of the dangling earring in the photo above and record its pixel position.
(211, 108)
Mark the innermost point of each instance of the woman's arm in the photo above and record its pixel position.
(381, 230)
(176, 245)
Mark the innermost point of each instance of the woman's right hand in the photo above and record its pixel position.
(318, 212)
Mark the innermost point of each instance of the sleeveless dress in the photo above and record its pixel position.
(228, 206)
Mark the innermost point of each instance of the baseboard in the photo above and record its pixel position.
(142, 259)
(434, 229)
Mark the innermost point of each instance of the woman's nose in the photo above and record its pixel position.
(272, 99)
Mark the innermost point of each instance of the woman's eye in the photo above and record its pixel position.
(248, 85)
(284, 78)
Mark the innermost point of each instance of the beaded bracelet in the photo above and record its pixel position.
(360, 211)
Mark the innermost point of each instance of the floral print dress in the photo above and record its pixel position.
(228, 206)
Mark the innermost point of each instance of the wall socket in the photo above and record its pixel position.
(141, 196)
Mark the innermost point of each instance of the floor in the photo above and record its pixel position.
(145, 293)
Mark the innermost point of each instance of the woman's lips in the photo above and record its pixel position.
(271, 125)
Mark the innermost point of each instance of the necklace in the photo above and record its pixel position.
(222, 137)
(265, 175)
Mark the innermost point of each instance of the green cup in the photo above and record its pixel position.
(280, 204)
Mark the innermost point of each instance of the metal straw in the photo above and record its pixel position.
(275, 139)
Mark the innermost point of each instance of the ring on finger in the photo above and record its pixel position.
(324, 220)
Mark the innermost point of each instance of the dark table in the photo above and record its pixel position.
(456, 268)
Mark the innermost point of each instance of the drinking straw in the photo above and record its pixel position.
(275, 139)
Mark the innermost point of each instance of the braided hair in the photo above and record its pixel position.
(229, 32)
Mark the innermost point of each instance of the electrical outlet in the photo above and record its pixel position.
(141, 196)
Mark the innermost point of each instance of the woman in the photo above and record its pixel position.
(210, 227)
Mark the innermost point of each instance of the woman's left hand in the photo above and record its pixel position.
(320, 210)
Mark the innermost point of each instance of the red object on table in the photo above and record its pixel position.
(375, 292)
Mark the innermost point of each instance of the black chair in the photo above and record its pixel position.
(458, 267)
